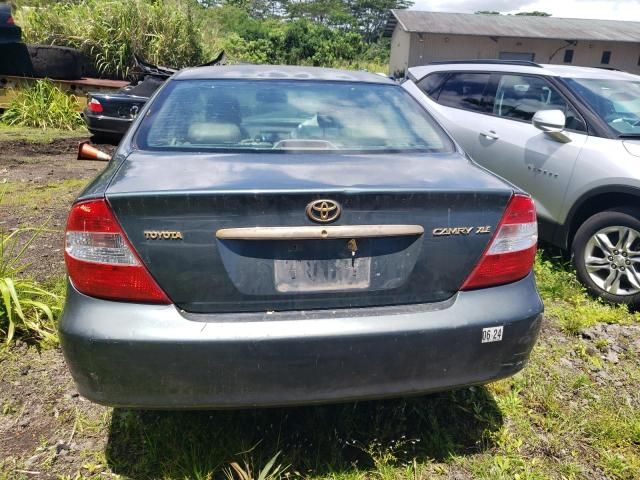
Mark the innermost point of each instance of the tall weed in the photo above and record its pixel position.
(180, 33)
(271, 471)
(43, 105)
(27, 309)
(110, 32)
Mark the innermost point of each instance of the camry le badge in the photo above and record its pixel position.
(323, 211)
(449, 231)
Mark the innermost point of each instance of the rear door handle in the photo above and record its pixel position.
(491, 135)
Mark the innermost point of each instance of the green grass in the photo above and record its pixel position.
(27, 309)
(334, 441)
(36, 196)
(43, 105)
(109, 33)
(567, 301)
(550, 421)
(10, 133)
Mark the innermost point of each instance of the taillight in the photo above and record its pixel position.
(10, 21)
(95, 106)
(101, 262)
(512, 250)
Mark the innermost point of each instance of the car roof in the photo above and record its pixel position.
(279, 72)
(565, 71)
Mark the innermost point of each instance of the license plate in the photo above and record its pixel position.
(492, 334)
(322, 275)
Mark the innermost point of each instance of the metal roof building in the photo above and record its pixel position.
(421, 37)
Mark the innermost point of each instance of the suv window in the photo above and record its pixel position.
(431, 84)
(520, 96)
(465, 90)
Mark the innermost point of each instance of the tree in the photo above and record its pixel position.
(371, 15)
(333, 13)
(258, 8)
(535, 13)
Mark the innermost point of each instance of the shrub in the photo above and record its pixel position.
(109, 32)
(43, 106)
(181, 33)
(26, 309)
(295, 42)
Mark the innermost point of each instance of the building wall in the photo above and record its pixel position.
(400, 42)
(425, 48)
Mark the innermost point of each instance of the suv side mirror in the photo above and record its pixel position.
(549, 121)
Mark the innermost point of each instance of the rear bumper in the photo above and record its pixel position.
(105, 124)
(157, 357)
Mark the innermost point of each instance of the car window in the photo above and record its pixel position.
(465, 90)
(431, 84)
(520, 96)
(288, 115)
(617, 102)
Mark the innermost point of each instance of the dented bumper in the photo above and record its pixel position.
(150, 356)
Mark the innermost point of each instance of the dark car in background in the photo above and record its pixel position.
(9, 31)
(288, 235)
(108, 115)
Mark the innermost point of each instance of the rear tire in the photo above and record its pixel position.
(606, 256)
(15, 60)
(56, 62)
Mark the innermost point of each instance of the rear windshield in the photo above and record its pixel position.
(252, 115)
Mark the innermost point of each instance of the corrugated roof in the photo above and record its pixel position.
(513, 26)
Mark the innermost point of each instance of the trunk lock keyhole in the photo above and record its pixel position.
(352, 245)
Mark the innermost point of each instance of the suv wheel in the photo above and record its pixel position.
(606, 255)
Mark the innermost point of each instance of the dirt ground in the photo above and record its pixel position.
(40, 182)
(46, 424)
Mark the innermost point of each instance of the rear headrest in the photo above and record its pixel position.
(214, 133)
(222, 108)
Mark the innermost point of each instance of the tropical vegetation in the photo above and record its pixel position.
(345, 33)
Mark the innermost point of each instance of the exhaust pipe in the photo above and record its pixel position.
(88, 152)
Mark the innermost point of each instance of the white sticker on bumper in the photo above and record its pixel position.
(492, 334)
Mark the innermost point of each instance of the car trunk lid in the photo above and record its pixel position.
(233, 232)
(119, 105)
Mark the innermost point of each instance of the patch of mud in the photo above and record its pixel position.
(42, 415)
(58, 146)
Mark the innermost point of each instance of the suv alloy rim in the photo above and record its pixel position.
(612, 260)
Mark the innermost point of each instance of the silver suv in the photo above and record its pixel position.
(568, 135)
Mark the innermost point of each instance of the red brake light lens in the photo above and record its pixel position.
(512, 250)
(95, 106)
(101, 262)
(10, 21)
